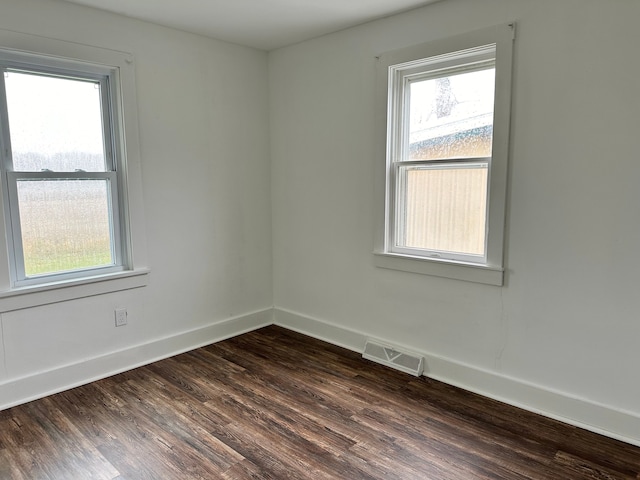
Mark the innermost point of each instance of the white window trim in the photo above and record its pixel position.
(136, 273)
(491, 272)
(56, 292)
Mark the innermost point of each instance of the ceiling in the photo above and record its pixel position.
(263, 24)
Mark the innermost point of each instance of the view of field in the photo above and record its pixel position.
(65, 225)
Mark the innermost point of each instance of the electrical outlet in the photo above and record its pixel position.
(121, 317)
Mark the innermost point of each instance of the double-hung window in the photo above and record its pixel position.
(61, 169)
(447, 128)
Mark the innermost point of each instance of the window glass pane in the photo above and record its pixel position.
(55, 123)
(452, 116)
(66, 225)
(445, 208)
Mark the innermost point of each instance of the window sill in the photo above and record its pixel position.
(441, 268)
(34, 296)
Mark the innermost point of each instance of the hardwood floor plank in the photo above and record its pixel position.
(577, 466)
(455, 461)
(481, 411)
(67, 450)
(609, 453)
(436, 427)
(245, 470)
(272, 405)
(289, 418)
(284, 439)
(10, 466)
(165, 416)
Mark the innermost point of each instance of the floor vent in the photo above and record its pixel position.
(394, 358)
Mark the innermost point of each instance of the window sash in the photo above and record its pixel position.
(106, 91)
(398, 241)
(18, 257)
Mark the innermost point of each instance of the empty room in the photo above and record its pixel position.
(319, 239)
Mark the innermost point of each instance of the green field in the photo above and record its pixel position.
(65, 225)
(64, 257)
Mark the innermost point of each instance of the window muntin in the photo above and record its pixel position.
(441, 123)
(62, 195)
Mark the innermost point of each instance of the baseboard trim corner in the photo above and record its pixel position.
(328, 332)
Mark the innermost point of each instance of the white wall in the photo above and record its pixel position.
(203, 123)
(562, 334)
(559, 337)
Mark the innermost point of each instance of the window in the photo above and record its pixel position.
(447, 128)
(60, 172)
(70, 214)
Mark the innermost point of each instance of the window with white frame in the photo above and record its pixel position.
(65, 170)
(60, 170)
(447, 129)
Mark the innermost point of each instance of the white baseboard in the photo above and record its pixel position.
(583, 413)
(580, 412)
(42, 384)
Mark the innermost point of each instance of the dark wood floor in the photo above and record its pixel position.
(273, 404)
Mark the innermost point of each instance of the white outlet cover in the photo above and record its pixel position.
(121, 316)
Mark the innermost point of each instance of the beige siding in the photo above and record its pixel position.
(446, 209)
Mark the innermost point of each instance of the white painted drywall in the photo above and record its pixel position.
(567, 318)
(203, 123)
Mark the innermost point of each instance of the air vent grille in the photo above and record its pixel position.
(393, 357)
